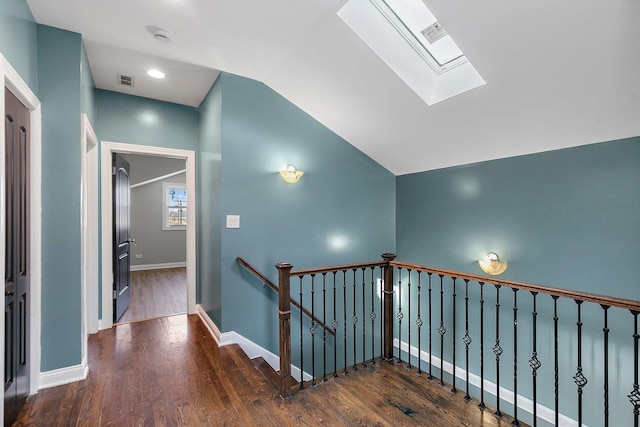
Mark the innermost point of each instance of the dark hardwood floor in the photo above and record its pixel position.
(156, 293)
(169, 372)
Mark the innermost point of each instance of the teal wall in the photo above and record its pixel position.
(18, 40)
(143, 121)
(341, 211)
(209, 204)
(88, 102)
(567, 218)
(59, 62)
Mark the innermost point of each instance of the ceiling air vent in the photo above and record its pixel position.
(126, 80)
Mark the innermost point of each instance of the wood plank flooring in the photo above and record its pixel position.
(156, 293)
(170, 372)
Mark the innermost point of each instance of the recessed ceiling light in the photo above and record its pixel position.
(156, 74)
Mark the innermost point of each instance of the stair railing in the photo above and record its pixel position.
(349, 297)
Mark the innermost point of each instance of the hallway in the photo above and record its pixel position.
(169, 372)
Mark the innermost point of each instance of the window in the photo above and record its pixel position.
(174, 210)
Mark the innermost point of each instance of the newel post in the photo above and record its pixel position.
(387, 296)
(284, 315)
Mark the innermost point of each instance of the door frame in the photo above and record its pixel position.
(90, 231)
(106, 151)
(12, 80)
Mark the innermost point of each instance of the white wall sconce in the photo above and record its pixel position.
(491, 264)
(290, 174)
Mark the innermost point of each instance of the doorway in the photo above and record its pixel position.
(157, 231)
(107, 150)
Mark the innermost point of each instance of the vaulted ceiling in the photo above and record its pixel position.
(559, 74)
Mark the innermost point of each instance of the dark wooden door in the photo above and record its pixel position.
(121, 238)
(16, 280)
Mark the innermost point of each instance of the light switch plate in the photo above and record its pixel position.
(233, 221)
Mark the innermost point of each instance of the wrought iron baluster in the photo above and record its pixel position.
(442, 331)
(579, 377)
(534, 362)
(312, 330)
(634, 396)
(372, 316)
(354, 320)
(364, 324)
(497, 350)
(334, 325)
(324, 330)
(381, 314)
(409, 317)
(481, 405)
(430, 330)
(555, 357)
(301, 341)
(453, 380)
(419, 325)
(466, 339)
(400, 315)
(515, 421)
(344, 318)
(605, 331)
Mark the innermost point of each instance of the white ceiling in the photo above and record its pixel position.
(559, 74)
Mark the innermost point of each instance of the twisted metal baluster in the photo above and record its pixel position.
(442, 330)
(634, 396)
(301, 341)
(324, 330)
(481, 405)
(312, 330)
(364, 324)
(409, 317)
(497, 350)
(381, 313)
(515, 421)
(605, 331)
(419, 325)
(372, 316)
(466, 339)
(430, 331)
(579, 377)
(344, 318)
(400, 315)
(354, 320)
(334, 324)
(555, 357)
(534, 362)
(453, 339)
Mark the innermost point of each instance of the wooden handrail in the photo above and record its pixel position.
(320, 270)
(566, 293)
(273, 286)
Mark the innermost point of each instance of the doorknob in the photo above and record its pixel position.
(130, 240)
(9, 293)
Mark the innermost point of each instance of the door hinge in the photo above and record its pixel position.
(114, 294)
(113, 170)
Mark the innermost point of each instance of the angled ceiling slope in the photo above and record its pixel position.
(555, 79)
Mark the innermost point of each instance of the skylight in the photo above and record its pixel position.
(410, 40)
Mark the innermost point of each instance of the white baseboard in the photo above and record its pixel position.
(251, 349)
(64, 375)
(506, 395)
(157, 266)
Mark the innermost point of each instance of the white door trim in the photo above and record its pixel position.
(90, 231)
(106, 151)
(21, 90)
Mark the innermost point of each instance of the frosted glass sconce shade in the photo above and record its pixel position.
(491, 264)
(291, 175)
